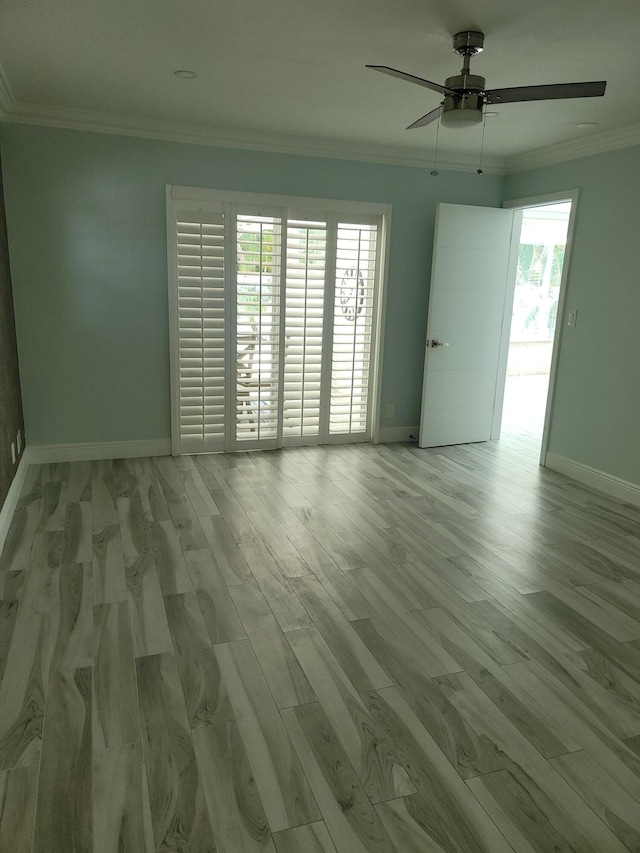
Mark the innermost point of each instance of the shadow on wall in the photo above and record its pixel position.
(11, 420)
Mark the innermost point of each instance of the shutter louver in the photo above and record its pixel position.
(356, 255)
(201, 331)
(304, 313)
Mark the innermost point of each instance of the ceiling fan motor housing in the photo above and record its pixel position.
(466, 83)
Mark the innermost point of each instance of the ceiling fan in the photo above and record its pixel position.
(465, 95)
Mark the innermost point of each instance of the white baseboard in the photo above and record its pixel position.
(43, 453)
(13, 496)
(391, 435)
(614, 487)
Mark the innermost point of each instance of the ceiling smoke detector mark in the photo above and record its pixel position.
(183, 74)
(588, 124)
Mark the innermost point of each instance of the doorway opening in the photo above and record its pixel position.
(539, 276)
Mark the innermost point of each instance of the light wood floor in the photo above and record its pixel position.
(327, 650)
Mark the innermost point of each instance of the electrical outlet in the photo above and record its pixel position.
(13, 453)
(572, 319)
(391, 410)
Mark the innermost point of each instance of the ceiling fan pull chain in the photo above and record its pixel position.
(484, 127)
(434, 172)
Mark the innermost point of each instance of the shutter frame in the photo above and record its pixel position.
(314, 358)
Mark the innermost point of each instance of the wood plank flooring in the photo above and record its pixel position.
(348, 649)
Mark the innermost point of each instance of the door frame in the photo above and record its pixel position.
(522, 204)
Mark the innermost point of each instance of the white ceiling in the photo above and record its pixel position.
(290, 75)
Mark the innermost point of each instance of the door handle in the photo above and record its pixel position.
(435, 343)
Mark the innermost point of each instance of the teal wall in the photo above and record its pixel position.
(86, 220)
(10, 398)
(596, 417)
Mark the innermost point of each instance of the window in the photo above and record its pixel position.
(274, 308)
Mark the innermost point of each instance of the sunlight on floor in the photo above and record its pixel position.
(524, 404)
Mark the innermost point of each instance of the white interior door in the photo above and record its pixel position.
(473, 256)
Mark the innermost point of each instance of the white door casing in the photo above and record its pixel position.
(475, 250)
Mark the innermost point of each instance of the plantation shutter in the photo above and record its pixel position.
(353, 327)
(258, 263)
(272, 320)
(303, 329)
(201, 331)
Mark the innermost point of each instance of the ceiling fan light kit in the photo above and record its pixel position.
(466, 95)
(467, 113)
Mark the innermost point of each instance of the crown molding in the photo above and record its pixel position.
(197, 134)
(12, 110)
(595, 143)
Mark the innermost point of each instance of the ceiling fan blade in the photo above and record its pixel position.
(432, 116)
(410, 78)
(544, 93)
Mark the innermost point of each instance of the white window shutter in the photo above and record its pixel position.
(201, 331)
(303, 329)
(258, 262)
(353, 327)
(273, 321)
